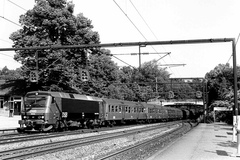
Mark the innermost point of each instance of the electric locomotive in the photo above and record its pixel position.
(44, 111)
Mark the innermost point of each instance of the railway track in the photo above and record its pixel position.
(133, 151)
(36, 150)
(17, 138)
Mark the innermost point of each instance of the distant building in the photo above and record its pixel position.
(10, 102)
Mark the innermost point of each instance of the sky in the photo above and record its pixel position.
(119, 21)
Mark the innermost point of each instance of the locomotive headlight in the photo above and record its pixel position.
(25, 117)
(40, 117)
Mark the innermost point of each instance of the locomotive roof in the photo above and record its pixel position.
(66, 95)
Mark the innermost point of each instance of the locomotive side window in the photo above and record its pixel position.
(53, 100)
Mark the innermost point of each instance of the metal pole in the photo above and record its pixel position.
(126, 44)
(235, 77)
(206, 102)
(139, 57)
(156, 86)
(235, 107)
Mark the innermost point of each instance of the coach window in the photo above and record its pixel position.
(135, 109)
(116, 108)
(109, 108)
(120, 108)
(129, 109)
(112, 108)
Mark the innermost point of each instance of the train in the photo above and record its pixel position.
(57, 111)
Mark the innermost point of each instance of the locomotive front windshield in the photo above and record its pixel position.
(35, 101)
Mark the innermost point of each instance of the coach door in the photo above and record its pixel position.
(101, 110)
(123, 111)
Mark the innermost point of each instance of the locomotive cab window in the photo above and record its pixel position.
(36, 101)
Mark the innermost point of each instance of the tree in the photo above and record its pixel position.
(151, 74)
(51, 22)
(6, 74)
(104, 75)
(220, 82)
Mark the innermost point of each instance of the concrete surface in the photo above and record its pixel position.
(9, 122)
(205, 142)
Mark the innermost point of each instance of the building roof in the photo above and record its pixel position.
(3, 91)
(12, 87)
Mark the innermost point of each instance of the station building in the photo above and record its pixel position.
(10, 102)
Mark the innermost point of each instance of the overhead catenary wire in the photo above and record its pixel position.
(161, 57)
(17, 5)
(130, 20)
(143, 19)
(6, 55)
(10, 21)
(137, 28)
(123, 61)
(133, 24)
(5, 41)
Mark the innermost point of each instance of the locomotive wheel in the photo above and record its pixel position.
(60, 126)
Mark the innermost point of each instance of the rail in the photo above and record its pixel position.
(8, 130)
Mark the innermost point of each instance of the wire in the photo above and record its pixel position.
(17, 5)
(161, 57)
(5, 41)
(123, 61)
(130, 20)
(10, 21)
(6, 55)
(134, 25)
(143, 19)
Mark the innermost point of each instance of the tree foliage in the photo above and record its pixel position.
(7, 74)
(220, 82)
(51, 22)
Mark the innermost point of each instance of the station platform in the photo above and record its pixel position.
(204, 142)
(9, 122)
